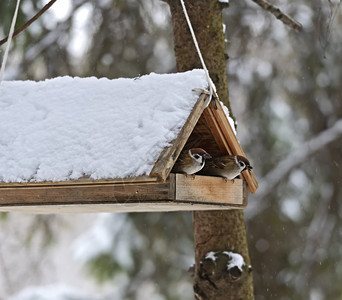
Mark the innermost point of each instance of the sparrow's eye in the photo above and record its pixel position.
(242, 164)
(197, 156)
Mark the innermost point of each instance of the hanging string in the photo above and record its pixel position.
(212, 88)
(9, 41)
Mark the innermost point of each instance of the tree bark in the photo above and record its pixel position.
(218, 235)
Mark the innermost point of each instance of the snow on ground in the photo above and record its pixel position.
(65, 128)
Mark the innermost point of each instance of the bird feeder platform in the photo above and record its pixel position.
(177, 193)
(148, 184)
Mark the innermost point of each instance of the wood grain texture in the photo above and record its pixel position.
(209, 190)
(216, 132)
(83, 194)
(234, 145)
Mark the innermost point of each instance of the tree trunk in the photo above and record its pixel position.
(219, 235)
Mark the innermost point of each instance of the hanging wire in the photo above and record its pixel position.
(212, 88)
(3, 65)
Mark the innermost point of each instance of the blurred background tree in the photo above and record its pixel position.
(285, 90)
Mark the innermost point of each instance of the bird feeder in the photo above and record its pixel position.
(72, 145)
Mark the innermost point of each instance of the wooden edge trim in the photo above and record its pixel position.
(166, 206)
(235, 146)
(216, 131)
(80, 182)
(245, 194)
(86, 194)
(169, 155)
(172, 179)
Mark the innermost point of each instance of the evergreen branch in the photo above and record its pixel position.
(287, 20)
(29, 22)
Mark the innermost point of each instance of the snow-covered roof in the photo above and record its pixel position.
(66, 128)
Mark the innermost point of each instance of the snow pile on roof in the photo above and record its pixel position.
(66, 128)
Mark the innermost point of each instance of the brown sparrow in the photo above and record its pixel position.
(191, 161)
(228, 166)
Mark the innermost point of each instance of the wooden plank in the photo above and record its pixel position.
(162, 206)
(245, 193)
(207, 189)
(169, 155)
(216, 131)
(86, 194)
(234, 145)
(80, 181)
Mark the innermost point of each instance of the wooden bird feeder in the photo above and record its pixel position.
(160, 190)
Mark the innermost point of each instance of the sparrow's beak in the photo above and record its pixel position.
(207, 156)
(248, 167)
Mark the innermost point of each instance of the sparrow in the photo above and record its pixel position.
(228, 166)
(191, 161)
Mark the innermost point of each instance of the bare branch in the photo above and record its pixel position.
(287, 20)
(29, 22)
(292, 161)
